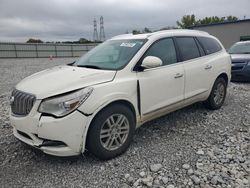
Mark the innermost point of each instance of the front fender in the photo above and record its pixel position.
(105, 94)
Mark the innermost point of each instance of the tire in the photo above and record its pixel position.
(217, 95)
(116, 124)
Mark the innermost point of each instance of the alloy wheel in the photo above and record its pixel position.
(219, 93)
(114, 132)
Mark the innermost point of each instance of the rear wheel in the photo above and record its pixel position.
(217, 95)
(111, 132)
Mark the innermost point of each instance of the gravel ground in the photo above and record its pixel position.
(193, 147)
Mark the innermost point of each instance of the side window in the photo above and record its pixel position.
(210, 45)
(163, 49)
(188, 48)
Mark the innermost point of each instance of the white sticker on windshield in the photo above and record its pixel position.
(130, 45)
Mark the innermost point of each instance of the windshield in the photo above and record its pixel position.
(111, 55)
(243, 48)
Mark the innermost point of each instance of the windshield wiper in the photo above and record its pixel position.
(71, 64)
(89, 66)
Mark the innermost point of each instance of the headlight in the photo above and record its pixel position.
(63, 105)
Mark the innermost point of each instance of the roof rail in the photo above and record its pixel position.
(182, 30)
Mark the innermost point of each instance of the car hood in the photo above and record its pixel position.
(63, 79)
(240, 57)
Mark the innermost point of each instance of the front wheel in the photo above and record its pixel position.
(217, 95)
(111, 132)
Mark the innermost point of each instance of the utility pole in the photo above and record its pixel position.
(95, 34)
(102, 33)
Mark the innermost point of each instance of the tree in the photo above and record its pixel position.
(146, 30)
(210, 20)
(189, 20)
(83, 40)
(232, 18)
(167, 28)
(186, 21)
(135, 32)
(34, 41)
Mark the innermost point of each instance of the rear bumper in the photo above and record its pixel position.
(54, 136)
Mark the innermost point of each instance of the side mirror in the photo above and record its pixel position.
(151, 62)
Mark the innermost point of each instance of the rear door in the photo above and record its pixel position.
(197, 69)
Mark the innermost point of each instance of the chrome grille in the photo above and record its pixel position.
(22, 102)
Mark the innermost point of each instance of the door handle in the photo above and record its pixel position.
(207, 67)
(178, 75)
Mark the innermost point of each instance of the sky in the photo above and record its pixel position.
(62, 20)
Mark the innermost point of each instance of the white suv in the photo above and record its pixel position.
(97, 102)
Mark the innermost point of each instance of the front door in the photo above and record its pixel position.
(161, 86)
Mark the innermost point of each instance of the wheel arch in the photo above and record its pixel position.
(99, 110)
(224, 76)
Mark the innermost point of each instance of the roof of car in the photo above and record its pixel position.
(243, 42)
(173, 32)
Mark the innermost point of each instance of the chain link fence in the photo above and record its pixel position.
(26, 50)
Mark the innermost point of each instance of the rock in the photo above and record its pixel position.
(124, 185)
(156, 182)
(245, 181)
(170, 175)
(199, 165)
(190, 171)
(127, 176)
(229, 156)
(186, 166)
(190, 183)
(241, 159)
(200, 152)
(211, 174)
(210, 154)
(147, 181)
(136, 183)
(164, 180)
(216, 179)
(195, 179)
(170, 186)
(149, 184)
(130, 180)
(155, 167)
(239, 181)
(116, 163)
(142, 174)
(102, 168)
(207, 186)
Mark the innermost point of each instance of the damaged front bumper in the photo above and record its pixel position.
(54, 136)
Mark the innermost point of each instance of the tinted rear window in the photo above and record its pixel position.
(210, 45)
(188, 48)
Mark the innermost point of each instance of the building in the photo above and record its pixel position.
(227, 32)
